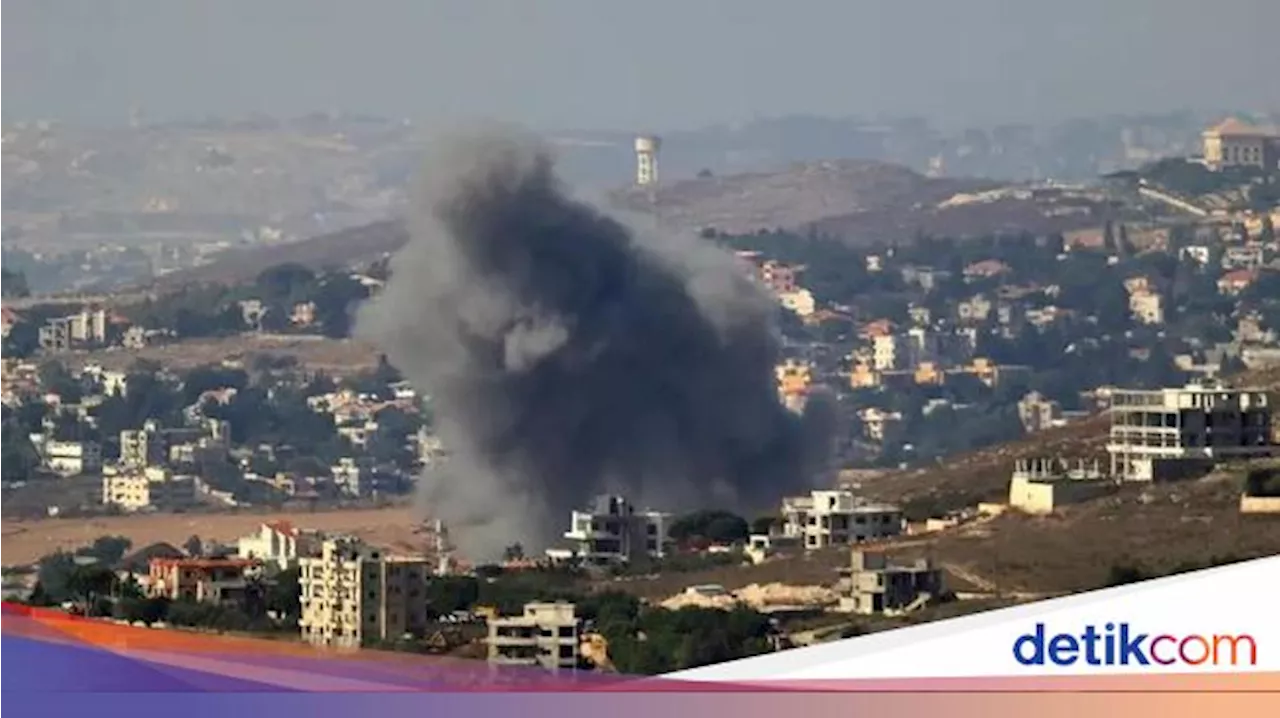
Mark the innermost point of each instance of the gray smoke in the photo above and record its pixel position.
(567, 355)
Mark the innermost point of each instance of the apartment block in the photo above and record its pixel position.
(611, 530)
(1168, 433)
(546, 635)
(353, 594)
(72, 458)
(835, 518)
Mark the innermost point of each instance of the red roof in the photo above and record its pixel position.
(285, 527)
(1239, 276)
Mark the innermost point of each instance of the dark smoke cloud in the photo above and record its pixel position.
(568, 355)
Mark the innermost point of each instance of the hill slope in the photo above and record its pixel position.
(355, 246)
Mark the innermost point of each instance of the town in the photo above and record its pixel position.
(1126, 363)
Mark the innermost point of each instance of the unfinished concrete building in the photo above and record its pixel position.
(874, 585)
(546, 635)
(1040, 486)
(1171, 433)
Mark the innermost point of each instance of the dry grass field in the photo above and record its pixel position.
(28, 540)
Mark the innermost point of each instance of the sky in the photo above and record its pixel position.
(636, 64)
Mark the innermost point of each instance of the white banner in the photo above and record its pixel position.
(1219, 620)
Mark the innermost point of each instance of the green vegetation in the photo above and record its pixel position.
(648, 641)
(709, 527)
(213, 310)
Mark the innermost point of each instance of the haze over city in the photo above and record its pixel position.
(713, 329)
(662, 64)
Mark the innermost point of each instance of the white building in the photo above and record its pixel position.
(836, 517)
(352, 595)
(647, 160)
(884, 352)
(546, 635)
(1168, 433)
(71, 458)
(612, 531)
(1041, 486)
(800, 302)
(152, 488)
(279, 543)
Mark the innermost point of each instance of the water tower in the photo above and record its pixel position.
(647, 160)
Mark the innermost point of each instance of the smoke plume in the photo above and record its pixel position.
(568, 355)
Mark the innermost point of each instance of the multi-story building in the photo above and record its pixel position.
(874, 585)
(1168, 433)
(884, 352)
(612, 531)
(154, 488)
(1232, 143)
(71, 458)
(545, 635)
(200, 579)
(835, 517)
(353, 594)
(140, 448)
(277, 543)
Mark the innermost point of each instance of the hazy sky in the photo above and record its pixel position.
(637, 64)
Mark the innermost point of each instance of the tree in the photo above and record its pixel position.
(764, 524)
(514, 552)
(146, 610)
(193, 546)
(711, 525)
(107, 549)
(284, 595)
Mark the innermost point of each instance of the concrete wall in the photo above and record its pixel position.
(1260, 504)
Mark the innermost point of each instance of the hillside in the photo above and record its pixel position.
(355, 246)
(858, 200)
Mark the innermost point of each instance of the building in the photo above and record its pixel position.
(612, 531)
(1037, 412)
(647, 160)
(140, 448)
(1232, 143)
(873, 585)
(277, 543)
(1234, 283)
(800, 302)
(546, 635)
(72, 458)
(1167, 433)
(884, 352)
(1040, 486)
(1147, 307)
(778, 277)
(215, 580)
(794, 377)
(152, 488)
(55, 335)
(835, 517)
(352, 595)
